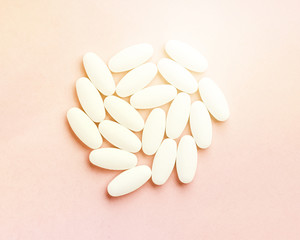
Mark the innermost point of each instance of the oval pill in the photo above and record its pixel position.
(177, 75)
(186, 55)
(129, 181)
(120, 136)
(200, 124)
(90, 99)
(84, 128)
(124, 113)
(154, 96)
(186, 161)
(130, 57)
(164, 161)
(136, 79)
(113, 158)
(154, 131)
(99, 73)
(178, 115)
(214, 99)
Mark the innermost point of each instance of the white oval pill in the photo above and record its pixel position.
(124, 113)
(120, 136)
(113, 158)
(90, 99)
(214, 99)
(177, 75)
(99, 73)
(129, 180)
(136, 79)
(85, 129)
(130, 57)
(186, 55)
(164, 161)
(186, 161)
(178, 115)
(153, 96)
(154, 131)
(200, 124)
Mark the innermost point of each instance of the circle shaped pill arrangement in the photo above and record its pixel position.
(120, 133)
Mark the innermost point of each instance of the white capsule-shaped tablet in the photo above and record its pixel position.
(130, 57)
(186, 55)
(84, 128)
(214, 99)
(136, 79)
(113, 158)
(164, 161)
(129, 180)
(186, 161)
(120, 136)
(178, 115)
(99, 73)
(90, 99)
(177, 75)
(124, 113)
(154, 96)
(154, 131)
(200, 124)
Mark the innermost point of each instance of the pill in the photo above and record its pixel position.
(214, 99)
(124, 113)
(164, 161)
(178, 115)
(136, 79)
(200, 124)
(84, 128)
(90, 99)
(186, 161)
(186, 55)
(113, 158)
(154, 96)
(129, 181)
(177, 75)
(130, 57)
(120, 136)
(154, 131)
(99, 73)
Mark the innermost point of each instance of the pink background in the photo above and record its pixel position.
(247, 185)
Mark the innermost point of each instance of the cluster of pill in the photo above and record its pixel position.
(128, 120)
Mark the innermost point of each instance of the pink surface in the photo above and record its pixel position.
(247, 185)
